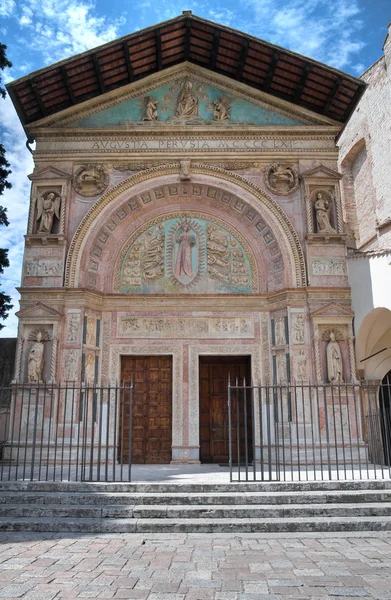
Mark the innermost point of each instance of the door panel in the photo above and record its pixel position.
(214, 418)
(152, 410)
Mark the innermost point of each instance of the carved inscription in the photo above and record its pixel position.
(43, 268)
(174, 327)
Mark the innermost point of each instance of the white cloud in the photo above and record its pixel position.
(7, 7)
(17, 201)
(66, 27)
(322, 29)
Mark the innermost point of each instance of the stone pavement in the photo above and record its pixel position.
(196, 566)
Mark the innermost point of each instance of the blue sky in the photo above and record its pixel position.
(346, 34)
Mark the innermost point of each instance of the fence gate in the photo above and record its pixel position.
(310, 432)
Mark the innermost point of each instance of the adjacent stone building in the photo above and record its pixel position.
(364, 162)
(186, 226)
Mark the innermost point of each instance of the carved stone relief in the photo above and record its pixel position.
(191, 327)
(328, 266)
(187, 104)
(43, 268)
(151, 105)
(185, 172)
(280, 331)
(297, 329)
(73, 329)
(48, 208)
(281, 368)
(281, 179)
(180, 254)
(300, 366)
(221, 109)
(89, 369)
(90, 180)
(91, 331)
(71, 365)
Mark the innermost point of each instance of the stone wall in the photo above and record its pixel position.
(365, 159)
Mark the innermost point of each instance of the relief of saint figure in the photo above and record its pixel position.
(322, 210)
(187, 101)
(186, 241)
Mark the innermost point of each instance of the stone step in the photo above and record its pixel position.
(240, 525)
(235, 487)
(61, 511)
(189, 498)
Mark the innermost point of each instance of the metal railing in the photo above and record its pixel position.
(309, 432)
(66, 432)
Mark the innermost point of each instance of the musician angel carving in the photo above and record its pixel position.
(48, 207)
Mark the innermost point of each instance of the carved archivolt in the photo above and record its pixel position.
(285, 226)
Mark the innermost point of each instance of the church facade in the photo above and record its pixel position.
(186, 226)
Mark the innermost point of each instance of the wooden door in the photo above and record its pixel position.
(214, 419)
(152, 410)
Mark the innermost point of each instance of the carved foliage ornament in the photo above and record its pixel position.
(90, 180)
(281, 179)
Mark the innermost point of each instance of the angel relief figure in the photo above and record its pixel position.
(151, 105)
(221, 110)
(48, 207)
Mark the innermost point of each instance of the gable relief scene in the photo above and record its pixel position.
(184, 226)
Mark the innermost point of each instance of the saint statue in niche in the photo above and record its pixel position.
(186, 241)
(187, 101)
(36, 360)
(322, 209)
(48, 207)
(334, 360)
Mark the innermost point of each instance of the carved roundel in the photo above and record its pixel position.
(90, 180)
(281, 179)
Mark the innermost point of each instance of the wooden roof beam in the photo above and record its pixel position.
(332, 95)
(68, 84)
(270, 71)
(158, 39)
(242, 59)
(102, 85)
(187, 38)
(302, 83)
(128, 61)
(215, 48)
(38, 98)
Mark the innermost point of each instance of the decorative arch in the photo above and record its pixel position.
(374, 336)
(243, 204)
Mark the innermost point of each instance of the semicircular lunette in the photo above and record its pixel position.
(185, 253)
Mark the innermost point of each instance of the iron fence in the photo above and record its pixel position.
(309, 432)
(66, 432)
(280, 432)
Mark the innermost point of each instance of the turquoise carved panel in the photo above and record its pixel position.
(186, 255)
(190, 101)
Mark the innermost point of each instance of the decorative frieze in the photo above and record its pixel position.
(43, 268)
(328, 266)
(191, 327)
